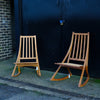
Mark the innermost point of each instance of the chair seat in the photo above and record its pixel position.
(71, 65)
(27, 63)
(77, 53)
(27, 55)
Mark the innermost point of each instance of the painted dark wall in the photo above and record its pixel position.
(16, 12)
(41, 17)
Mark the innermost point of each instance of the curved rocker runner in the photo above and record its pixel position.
(27, 55)
(78, 53)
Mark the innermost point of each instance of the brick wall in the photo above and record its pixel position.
(5, 29)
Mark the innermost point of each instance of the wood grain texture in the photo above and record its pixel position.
(26, 41)
(80, 41)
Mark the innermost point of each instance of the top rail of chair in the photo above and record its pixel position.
(81, 33)
(27, 36)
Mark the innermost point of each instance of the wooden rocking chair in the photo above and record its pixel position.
(27, 55)
(77, 53)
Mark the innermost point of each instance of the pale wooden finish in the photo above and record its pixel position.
(74, 46)
(78, 51)
(26, 47)
(84, 46)
(81, 46)
(25, 54)
(70, 64)
(78, 46)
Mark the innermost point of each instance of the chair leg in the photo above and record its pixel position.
(80, 82)
(53, 77)
(38, 71)
(19, 71)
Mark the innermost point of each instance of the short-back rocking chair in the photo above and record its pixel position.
(78, 53)
(27, 55)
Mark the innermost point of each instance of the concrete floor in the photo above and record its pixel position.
(15, 93)
(28, 75)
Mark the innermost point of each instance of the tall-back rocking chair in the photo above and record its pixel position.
(76, 57)
(27, 55)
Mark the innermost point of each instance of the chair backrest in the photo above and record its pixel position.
(27, 48)
(79, 48)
